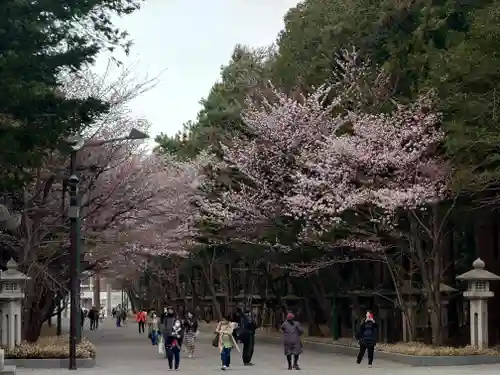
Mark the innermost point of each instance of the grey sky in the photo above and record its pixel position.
(188, 41)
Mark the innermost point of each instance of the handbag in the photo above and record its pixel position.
(215, 340)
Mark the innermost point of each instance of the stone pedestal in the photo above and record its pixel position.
(11, 294)
(8, 370)
(5, 370)
(477, 293)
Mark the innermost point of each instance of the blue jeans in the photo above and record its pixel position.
(154, 337)
(225, 356)
(173, 356)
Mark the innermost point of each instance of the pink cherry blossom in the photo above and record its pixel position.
(317, 157)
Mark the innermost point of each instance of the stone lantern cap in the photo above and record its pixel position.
(12, 273)
(478, 273)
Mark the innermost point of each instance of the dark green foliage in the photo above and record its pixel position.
(448, 45)
(38, 41)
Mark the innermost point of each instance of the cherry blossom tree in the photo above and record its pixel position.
(317, 157)
(282, 127)
(132, 202)
(338, 165)
(387, 161)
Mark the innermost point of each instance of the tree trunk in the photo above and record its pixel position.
(320, 296)
(430, 265)
(33, 330)
(37, 310)
(213, 293)
(97, 291)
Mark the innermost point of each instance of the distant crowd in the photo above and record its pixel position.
(170, 332)
(94, 315)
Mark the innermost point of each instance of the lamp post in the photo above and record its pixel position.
(78, 144)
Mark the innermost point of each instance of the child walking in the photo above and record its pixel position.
(226, 342)
(173, 343)
(367, 336)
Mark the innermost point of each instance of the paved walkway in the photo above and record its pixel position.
(122, 351)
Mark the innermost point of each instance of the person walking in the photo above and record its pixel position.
(292, 332)
(227, 342)
(246, 334)
(118, 314)
(173, 343)
(124, 317)
(367, 336)
(94, 318)
(154, 329)
(140, 318)
(149, 321)
(167, 320)
(190, 333)
(82, 318)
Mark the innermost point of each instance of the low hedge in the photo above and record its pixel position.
(50, 347)
(408, 348)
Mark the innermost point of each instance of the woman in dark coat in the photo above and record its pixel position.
(292, 331)
(367, 336)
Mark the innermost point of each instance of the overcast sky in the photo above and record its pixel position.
(188, 41)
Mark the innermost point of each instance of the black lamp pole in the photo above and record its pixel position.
(78, 143)
(74, 218)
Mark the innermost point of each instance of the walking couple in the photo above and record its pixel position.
(174, 332)
(233, 329)
(242, 328)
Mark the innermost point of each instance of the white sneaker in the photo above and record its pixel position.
(190, 355)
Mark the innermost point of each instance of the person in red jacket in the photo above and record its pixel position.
(140, 317)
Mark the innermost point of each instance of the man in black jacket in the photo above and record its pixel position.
(367, 336)
(246, 334)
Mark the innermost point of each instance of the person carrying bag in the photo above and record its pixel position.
(215, 339)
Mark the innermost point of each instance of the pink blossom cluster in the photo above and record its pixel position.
(319, 156)
(133, 204)
(387, 161)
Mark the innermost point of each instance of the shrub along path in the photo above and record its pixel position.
(124, 351)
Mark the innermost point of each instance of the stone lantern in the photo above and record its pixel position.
(11, 294)
(477, 293)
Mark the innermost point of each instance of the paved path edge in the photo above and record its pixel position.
(411, 360)
(49, 363)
